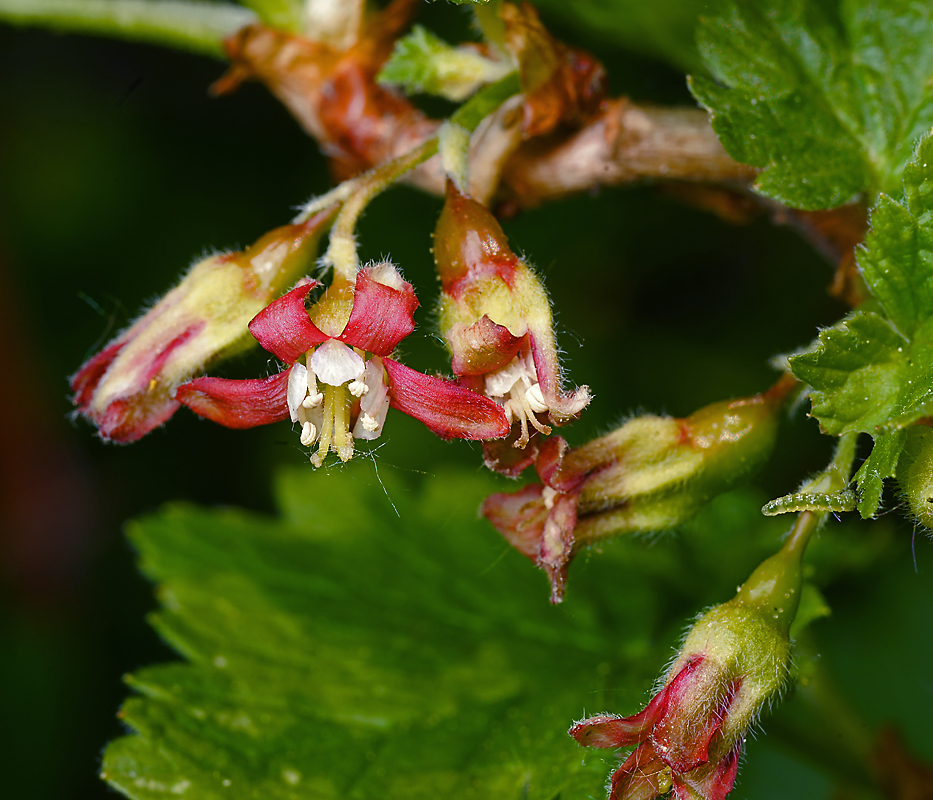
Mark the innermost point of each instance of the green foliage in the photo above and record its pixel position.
(828, 97)
(349, 651)
(873, 372)
(344, 651)
(421, 62)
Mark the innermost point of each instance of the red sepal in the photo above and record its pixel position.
(381, 317)
(447, 409)
(237, 404)
(284, 328)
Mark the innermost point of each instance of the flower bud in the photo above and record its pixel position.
(733, 661)
(496, 319)
(651, 474)
(128, 388)
(915, 474)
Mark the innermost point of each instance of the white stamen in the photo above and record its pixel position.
(535, 398)
(308, 434)
(297, 389)
(357, 388)
(370, 424)
(336, 364)
(312, 402)
(375, 403)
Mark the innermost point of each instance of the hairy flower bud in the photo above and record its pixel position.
(915, 474)
(733, 662)
(651, 474)
(128, 388)
(496, 319)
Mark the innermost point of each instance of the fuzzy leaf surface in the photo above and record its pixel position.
(828, 97)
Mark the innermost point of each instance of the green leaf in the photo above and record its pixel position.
(347, 651)
(828, 97)
(879, 465)
(421, 62)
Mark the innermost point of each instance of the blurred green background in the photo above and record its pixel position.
(117, 170)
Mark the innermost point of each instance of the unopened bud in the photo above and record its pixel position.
(651, 474)
(915, 474)
(734, 661)
(128, 388)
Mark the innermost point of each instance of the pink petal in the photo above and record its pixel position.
(561, 406)
(640, 777)
(503, 457)
(683, 737)
(481, 347)
(710, 783)
(85, 380)
(284, 328)
(609, 730)
(237, 404)
(382, 315)
(128, 420)
(519, 517)
(447, 409)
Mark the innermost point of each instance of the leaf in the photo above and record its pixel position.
(873, 372)
(421, 62)
(827, 97)
(344, 651)
(879, 465)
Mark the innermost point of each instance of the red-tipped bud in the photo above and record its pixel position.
(496, 319)
(733, 662)
(128, 388)
(651, 474)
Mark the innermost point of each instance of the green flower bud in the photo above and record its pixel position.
(915, 474)
(653, 473)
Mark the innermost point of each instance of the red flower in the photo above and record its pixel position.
(734, 661)
(496, 318)
(341, 374)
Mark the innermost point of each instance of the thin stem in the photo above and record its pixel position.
(198, 26)
(341, 252)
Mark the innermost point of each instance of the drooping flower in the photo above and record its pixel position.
(733, 662)
(496, 319)
(341, 380)
(127, 389)
(651, 474)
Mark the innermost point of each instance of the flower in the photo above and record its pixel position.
(651, 474)
(127, 389)
(496, 319)
(340, 373)
(733, 662)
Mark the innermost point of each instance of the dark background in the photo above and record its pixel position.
(117, 170)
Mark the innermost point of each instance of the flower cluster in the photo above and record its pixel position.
(341, 381)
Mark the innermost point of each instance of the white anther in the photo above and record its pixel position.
(312, 401)
(548, 496)
(369, 423)
(308, 434)
(357, 388)
(535, 399)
